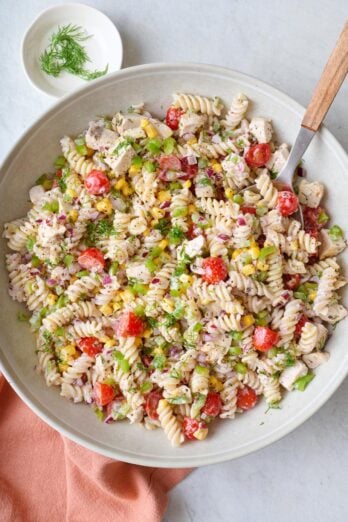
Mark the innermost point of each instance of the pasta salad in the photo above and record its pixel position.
(166, 276)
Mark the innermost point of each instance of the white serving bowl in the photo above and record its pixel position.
(103, 47)
(33, 155)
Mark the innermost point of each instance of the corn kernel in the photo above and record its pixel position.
(106, 309)
(253, 243)
(63, 366)
(116, 306)
(255, 252)
(105, 339)
(201, 433)
(312, 295)
(151, 131)
(104, 205)
(164, 195)
(263, 267)
(192, 209)
(144, 123)
(73, 215)
(154, 222)
(127, 296)
(163, 244)
(133, 169)
(237, 253)
(158, 351)
(127, 190)
(51, 299)
(229, 193)
(192, 141)
(67, 351)
(187, 184)
(120, 183)
(215, 383)
(248, 320)
(90, 152)
(157, 213)
(138, 341)
(147, 333)
(217, 167)
(248, 270)
(110, 344)
(71, 193)
(294, 245)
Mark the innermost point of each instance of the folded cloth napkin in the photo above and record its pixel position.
(46, 477)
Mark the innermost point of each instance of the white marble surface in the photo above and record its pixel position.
(286, 43)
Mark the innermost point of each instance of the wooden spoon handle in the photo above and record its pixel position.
(331, 80)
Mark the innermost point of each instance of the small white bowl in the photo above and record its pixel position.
(104, 46)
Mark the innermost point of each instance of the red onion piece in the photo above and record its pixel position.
(107, 279)
(155, 281)
(224, 237)
(165, 204)
(241, 221)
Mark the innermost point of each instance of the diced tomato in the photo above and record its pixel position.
(190, 170)
(310, 218)
(151, 404)
(291, 281)
(103, 393)
(129, 325)
(264, 338)
(169, 162)
(215, 270)
(90, 345)
(59, 173)
(97, 183)
(191, 232)
(248, 210)
(258, 155)
(212, 406)
(246, 398)
(173, 117)
(287, 202)
(92, 259)
(300, 324)
(190, 426)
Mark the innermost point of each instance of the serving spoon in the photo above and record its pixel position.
(330, 81)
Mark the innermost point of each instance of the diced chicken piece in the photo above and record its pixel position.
(163, 130)
(36, 194)
(191, 122)
(342, 281)
(261, 129)
(98, 137)
(330, 247)
(122, 122)
(120, 158)
(136, 133)
(322, 334)
(278, 159)
(336, 313)
(139, 272)
(194, 247)
(315, 359)
(48, 233)
(310, 193)
(274, 221)
(235, 165)
(291, 374)
(204, 191)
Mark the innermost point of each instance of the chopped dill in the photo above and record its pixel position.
(65, 52)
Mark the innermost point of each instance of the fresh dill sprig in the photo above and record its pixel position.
(66, 53)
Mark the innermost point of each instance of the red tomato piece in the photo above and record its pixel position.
(129, 325)
(151, 404)
(191, 233)
(169, 162)
(90, 345)
(173, 117)
(190, 426)
(310, 218)
(301, 322)
(212, 406)
(264, 338)
(291, 281)
(59, 173)
(246, 398)
(248, 210)
(92, 259)
(258, 155)
(215, 270)
(190, 170)
(287, 202)
(103, 393)
(97, 183)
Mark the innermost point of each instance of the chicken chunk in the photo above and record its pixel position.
(315, 359)
(191, 122)
(261, 129)
(310, 193)
(330, 247)
(98, 137)
(274, 221)
(336, 313)
(278, 159)
(291, 374)
(139, 272)
(194, 247)
(163, 130)
(120, 158)
(123, 122)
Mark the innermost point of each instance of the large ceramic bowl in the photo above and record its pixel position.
(33, 155)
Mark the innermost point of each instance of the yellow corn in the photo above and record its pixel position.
(106, 309)
(294, 245)
(71, 193)
(253, 243)
(127, 296)
(104, 205)
(248, 320)
(158, 351)
(150, 131)
(120, 183)
(229, 193)
(201, 433)
(215, 383)
(254, 251)
(63, 366)
(164, 195)
(187, 183)
(73, 215)
(138, 341)
(154, 222)
(110, 343)
(144, 123)
(163, 244)
(237, 253)
(127, 190)
(157, 213)
(147, 333)
(248, 270)
(51, 299)
(133, 169)
(192, 141)
(263, 267)
(116, 306)
(67, 351)
(192, 209)
(217, 167)
(312, 295)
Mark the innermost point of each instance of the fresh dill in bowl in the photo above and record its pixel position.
(66, 53)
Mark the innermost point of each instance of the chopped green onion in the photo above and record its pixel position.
(124, 365)
(45, 182)
(68, 260)
(238, 198)
(80, 146)
(35, 261)
(235, 350)
(82, 273)
(335, 232)
(146, 387)
(59, 162)
(323, 217)
(180, 399)
(197, 327)
(51, 206)
(113, 268)
(163, 226)
(201, 370)
(137, 161)
(176, 235)
(139, 289)
(169, 145)
(241, 368)
(116, 354)
(139, 310)
(110, 381)
(155, 252)
(302, 383)
(59, 332)
(236, 336)
(261, 210)
(159, 362)
(99, 413)
(175, 185)
(150, 265)
(266, 251)
(180, 212)
(150, 166)
(301, 295)
(61, 301)
(202, 163)
(154, 146)
(21, 316)
(30, 244)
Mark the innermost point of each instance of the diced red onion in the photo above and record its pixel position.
(38, 220)
(201, 358)
(241, 221)
(94, 215)
(51, 282)
(188, 136)
(174, 352)
(155, 281)
(107, 280)
(165, 204)
(216, 138)
(62, 217)
(210, 172)
(224, 237)
(109, 419)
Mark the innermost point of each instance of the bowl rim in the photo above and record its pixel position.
(42, 14)
(127, 456)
